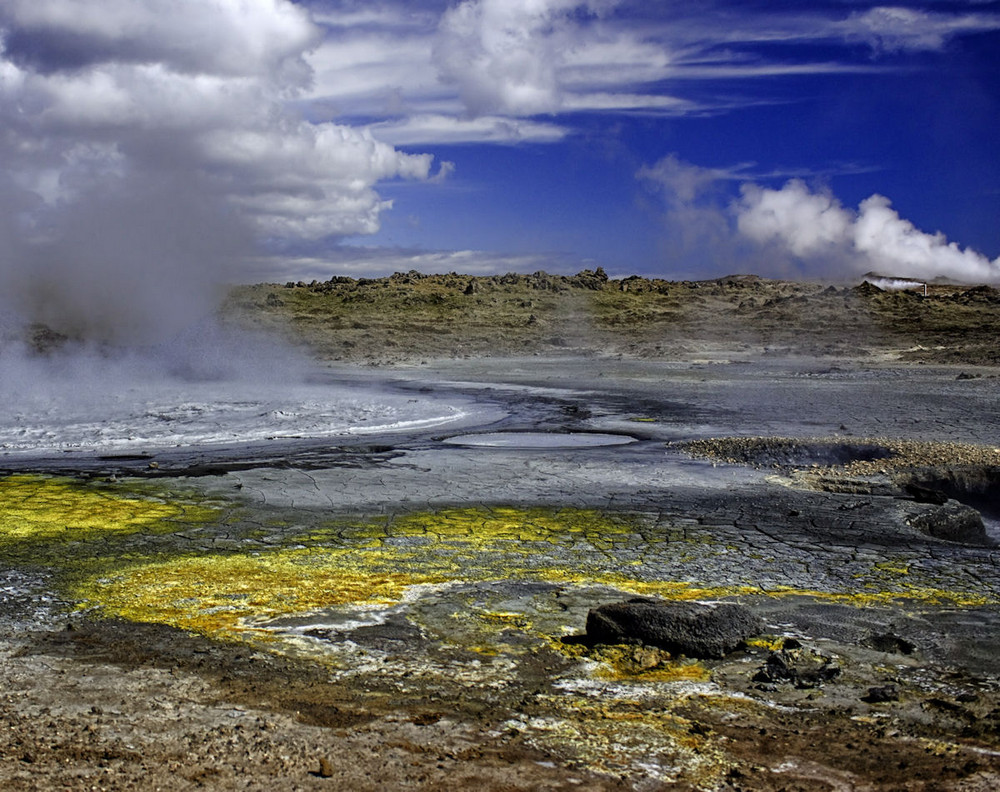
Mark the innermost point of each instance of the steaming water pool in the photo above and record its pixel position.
(101, 416)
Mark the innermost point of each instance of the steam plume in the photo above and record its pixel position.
(147, 147)
(815, 228)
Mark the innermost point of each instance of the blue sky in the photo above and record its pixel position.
(853, 98)
(324, 137)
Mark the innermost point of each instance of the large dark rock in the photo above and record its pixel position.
(954, 522)
(688, 628)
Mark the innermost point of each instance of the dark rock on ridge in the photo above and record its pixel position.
(687, 628)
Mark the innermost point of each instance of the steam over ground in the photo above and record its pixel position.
(148, 147)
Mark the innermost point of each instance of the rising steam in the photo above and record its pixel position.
(796, 231)
(816, 228)
(147, 148)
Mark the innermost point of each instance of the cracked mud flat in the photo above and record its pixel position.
(404, 612)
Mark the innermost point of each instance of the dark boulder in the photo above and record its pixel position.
(687, 628)
(954, 522)
(881, 695)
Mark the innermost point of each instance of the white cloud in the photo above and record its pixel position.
(602, 56)
(487, 58)
(894, 28)
(375, 72)
(310, 180)
(825, 236)
(501, 54)
(595, 102)
(446, 129)
(392, 62)
(231, 37)
(529, 57)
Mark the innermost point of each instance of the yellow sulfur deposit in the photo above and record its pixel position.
(38, 508)
(229, 595)
(223, 595)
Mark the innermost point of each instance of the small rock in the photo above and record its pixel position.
(776, 669)
(804, 672)
(881, 695)
(687, 628)
(325, 768)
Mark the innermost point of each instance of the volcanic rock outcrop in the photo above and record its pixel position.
(682, 628)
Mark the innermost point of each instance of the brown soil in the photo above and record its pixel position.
(115, 706)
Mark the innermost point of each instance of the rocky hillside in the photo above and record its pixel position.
(411, 316)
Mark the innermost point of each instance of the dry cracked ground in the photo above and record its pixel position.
(409, 612)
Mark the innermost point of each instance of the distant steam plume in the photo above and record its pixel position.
(816, 229)
(797, 231)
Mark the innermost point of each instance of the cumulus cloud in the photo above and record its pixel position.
(504, 55)
(221, 37)
(147, 145)
(818, 231)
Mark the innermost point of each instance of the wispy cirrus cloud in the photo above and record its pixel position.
(521, 59)
(898, 28)
(450, 129)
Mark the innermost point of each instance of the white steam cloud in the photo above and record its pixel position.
(147, 147)
(818, 230)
